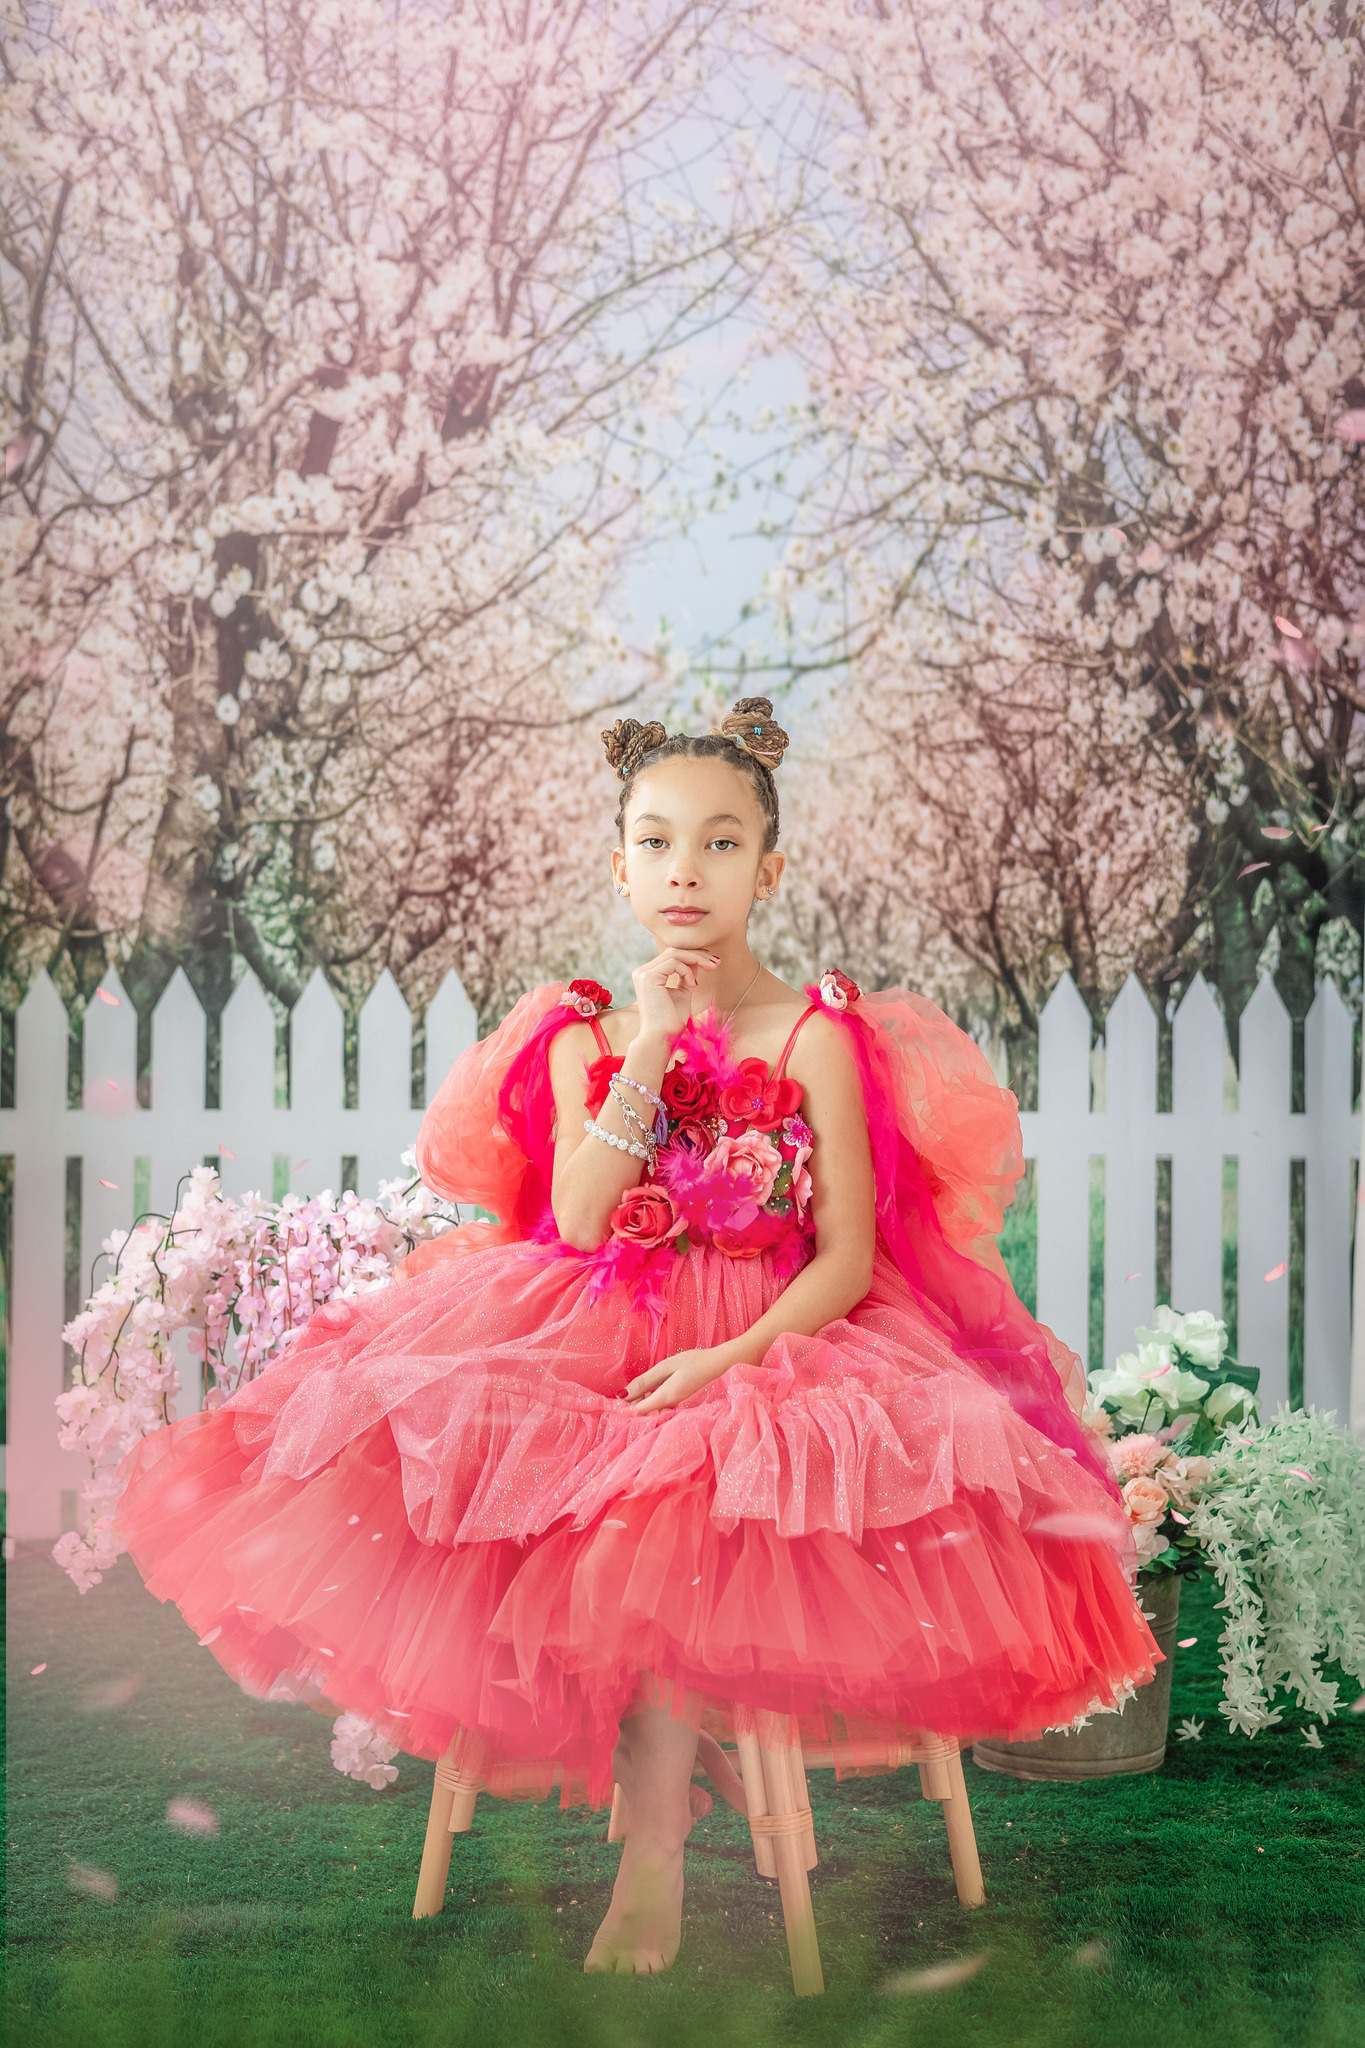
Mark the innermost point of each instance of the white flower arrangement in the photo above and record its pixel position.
(1272, 1510)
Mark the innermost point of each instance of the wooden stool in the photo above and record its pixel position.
(779, 1815)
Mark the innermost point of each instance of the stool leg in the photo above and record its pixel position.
(803, 1802)
(756, 1798)
(787, 1825)
(616, 1826)
(454, 1790)
(957, 1814)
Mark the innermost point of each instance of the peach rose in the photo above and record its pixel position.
(645, 1215)
(750, 1162)
(1145, 1500)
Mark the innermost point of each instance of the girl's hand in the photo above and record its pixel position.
(664, 1011)
(674, 1378)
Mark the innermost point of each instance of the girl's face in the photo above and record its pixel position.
(693, 840)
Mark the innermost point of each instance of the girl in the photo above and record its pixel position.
(732, 1408)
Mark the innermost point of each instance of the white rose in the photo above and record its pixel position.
(1229, 1403)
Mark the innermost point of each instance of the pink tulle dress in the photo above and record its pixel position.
(436, 1509)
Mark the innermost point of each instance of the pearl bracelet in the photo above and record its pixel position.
(596, 1130)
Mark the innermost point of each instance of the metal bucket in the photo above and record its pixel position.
(1133, 1739)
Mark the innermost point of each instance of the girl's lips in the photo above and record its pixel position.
(685, 916)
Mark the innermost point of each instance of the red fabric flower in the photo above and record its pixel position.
(838, 989)
(687, 1093)
(645, 1215)
(587, 997)
(735, 1246)
(693, 1134)
(758, 1098)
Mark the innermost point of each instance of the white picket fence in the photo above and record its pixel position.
(110, 1134)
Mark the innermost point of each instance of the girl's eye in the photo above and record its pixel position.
(651, 837)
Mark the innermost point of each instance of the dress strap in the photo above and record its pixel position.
(602, 1038)
(791, 1040)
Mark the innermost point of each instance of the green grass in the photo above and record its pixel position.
(1218, 1900)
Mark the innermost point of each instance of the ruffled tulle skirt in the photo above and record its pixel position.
(436, 1510)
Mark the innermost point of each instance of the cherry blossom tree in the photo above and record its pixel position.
(1078, 292)
(329, 329)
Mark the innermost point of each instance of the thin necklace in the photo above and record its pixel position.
(730, 1013)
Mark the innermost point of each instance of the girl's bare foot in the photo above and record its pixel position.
(642, 1931)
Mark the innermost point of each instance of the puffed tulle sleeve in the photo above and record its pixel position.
(948, 1154)
(468, 1149)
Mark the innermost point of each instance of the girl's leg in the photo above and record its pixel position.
(643, 1926)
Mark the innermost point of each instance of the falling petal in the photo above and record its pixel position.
(37, 1669)
(83, 1877)
(1134, 1275)
(16, 452)
(110, 1692)
(1176, 1516)
(224, 1153)
(1277, 1272)
(1350, 426)
(1303, 1474)
(613, 1522)
(936, 1976)
(297, 1165)
(1253, 867)
(1077, 1523)
(211, 1637)
(1275, 832)
(108, 1183)
(1288, 626)
(351, 1521)
(1090, 1955)
(191, 1817)
(1187, 1642)
(114, 1002)
(1358, 1705)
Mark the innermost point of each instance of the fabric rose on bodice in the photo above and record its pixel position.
(688, 1093)
(744, 1170)
(758, 1098)
(646, 1216)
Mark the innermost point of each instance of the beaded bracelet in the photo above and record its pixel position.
(631, 1082)
(662, 1115)
(633, 1123)
(595, 1130)
(650, 1134)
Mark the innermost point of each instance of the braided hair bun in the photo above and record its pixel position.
(751, 725)
(627, 741)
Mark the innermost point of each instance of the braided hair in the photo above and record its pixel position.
(748, 735)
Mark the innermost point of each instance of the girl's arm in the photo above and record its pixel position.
(589, 1178)
(843, 1195)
